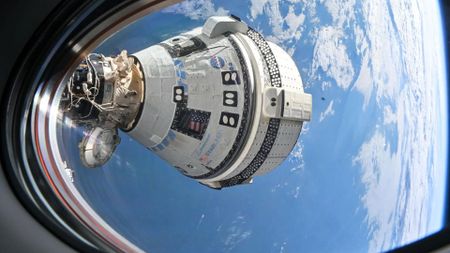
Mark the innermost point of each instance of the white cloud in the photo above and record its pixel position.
(364, 83)
(389, 117)
(257, 7)
(330, 55)
(382, 47)
(381, 174)
(197, 9)
(325, 85)
(341, 11)
(296, 192)
(282, 247)
(236, 233)
(330, 51)
(270, 10)
(200, 221)
(295, 158)
(328, 112)
(399, 179)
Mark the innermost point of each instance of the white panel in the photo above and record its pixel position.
(218, 25)
(297, 105)
(272, 102)
(158, 109)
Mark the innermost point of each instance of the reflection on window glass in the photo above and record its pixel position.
(366, 174)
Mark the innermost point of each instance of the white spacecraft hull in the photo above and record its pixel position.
(219, 103)
(212, 108)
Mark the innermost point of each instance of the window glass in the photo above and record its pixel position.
(367, 173)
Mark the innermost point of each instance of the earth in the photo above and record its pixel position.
(368, 172)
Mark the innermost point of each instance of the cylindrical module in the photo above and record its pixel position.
(221, 104)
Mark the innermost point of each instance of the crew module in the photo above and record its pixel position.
(219, 103)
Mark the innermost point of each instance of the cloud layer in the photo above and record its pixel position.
(197, 9)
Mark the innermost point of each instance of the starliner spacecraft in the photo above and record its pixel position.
(219, 103)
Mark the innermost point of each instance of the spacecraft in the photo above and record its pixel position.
(219, 103)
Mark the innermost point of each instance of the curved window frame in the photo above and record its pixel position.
(71, 31)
